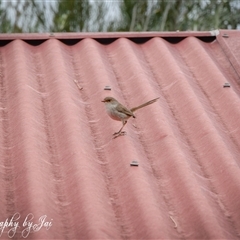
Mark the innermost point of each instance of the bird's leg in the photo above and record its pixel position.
(116, 134)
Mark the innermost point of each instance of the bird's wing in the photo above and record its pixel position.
(124, 110)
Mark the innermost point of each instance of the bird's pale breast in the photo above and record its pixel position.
(115, 115)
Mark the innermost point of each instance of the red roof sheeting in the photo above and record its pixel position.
(61, 169)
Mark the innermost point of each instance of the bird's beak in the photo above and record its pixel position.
(102, 101)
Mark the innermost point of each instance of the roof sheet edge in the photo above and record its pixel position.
(81, 35)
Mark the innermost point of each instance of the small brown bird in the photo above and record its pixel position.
(120, 113)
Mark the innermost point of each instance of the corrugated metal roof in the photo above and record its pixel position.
(60, 167)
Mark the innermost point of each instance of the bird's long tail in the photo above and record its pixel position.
(144, 104)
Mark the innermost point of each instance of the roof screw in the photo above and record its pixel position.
(134, 163)
(107, 88)
(225, 35)
(226, 85)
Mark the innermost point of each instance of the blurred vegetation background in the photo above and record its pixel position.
(117, 15)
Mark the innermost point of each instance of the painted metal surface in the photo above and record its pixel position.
(60, 167)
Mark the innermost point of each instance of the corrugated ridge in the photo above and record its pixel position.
(174, 137)
(28, 128)
(118, 164)
(55, 168)
(57, 139)
(125, 71)
(210, 109)
(208, 105)
(177, 102)
(22, 126)
(87, 58)
(122, 64)
(224, 66)
(80, 171)
(131, 71)
(219, 97)
(90, 60)
(7, 171)
(230, 47)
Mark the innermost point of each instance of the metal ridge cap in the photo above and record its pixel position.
(81, 35)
